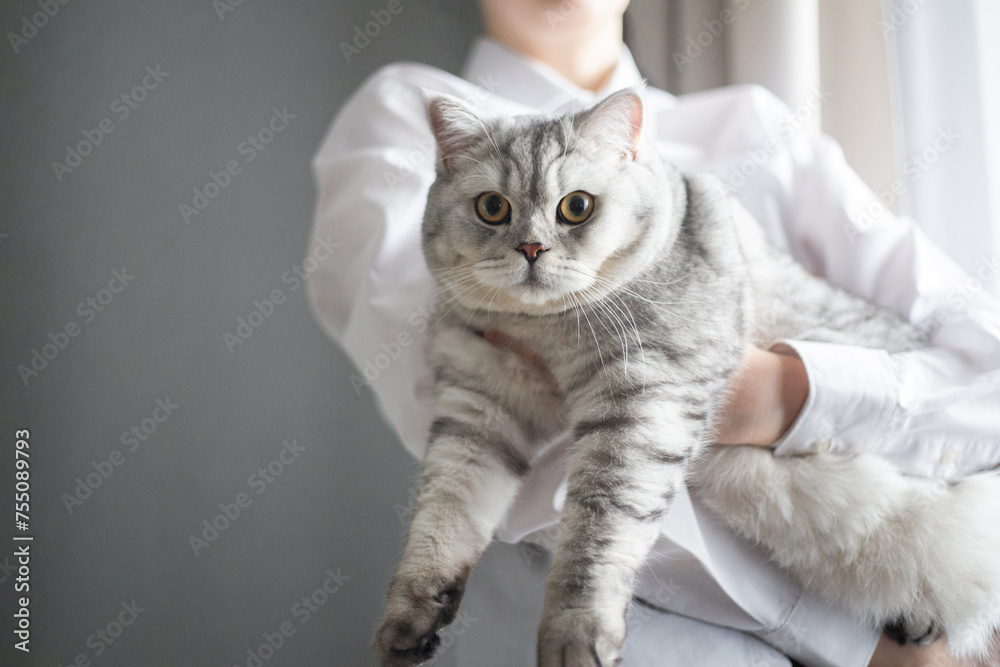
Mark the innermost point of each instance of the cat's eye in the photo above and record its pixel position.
(576, 207)
(492, 208)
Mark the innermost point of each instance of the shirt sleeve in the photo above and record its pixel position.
(933, 410)
(376, 297)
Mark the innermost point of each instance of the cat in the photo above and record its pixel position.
(591, 287)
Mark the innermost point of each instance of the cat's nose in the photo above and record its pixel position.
(531, 251)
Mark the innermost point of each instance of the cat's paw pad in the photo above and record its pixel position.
(911, 630)
(578, 639)
(408, 634)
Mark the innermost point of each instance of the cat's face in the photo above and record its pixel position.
(534, 215)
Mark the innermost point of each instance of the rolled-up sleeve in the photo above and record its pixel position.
(933, 410)
(852, 397)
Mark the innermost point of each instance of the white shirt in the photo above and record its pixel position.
(933, 411)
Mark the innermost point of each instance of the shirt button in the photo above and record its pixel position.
(824, 446)
(948, 458)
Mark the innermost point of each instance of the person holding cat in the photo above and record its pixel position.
(931, 411)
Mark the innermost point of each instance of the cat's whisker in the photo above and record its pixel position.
(486, 131)
(598, 311)
(615, 301)
(567, 127)
(618, 334)
(659, 305)
(593, 333)
(624, 333)
(654, 282)
(569, 306)
(455, 301)
(635, 294)
(461, 271)
(470, 177)
(449, 270)
(492, 263)
(604, 282)
(454, 295)
(489, 306)
(462, 287)
(577, 311)
(612, 300)
(455, 279)
(472, 311)
(459, 281)
(465, 157)
(598, 307)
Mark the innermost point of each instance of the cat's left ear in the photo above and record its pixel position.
(616, 120)
(456, 127)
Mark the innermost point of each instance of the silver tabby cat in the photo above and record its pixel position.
(592, 288)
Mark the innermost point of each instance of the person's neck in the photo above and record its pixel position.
(586, 59)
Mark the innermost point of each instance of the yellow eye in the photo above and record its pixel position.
(492, 207)
(576, 207)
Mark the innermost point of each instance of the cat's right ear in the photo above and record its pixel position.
(616, 121)
(456, 127)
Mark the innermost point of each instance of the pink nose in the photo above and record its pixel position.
(531, 250)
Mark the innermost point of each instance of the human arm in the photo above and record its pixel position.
(931, 410)
(376, 297)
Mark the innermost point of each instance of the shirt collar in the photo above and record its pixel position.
(508, 74)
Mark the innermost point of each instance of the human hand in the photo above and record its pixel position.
(765, 396)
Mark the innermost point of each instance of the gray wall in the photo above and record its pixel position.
(62, 237)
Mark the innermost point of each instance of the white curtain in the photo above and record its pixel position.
(949, 76)
(912, 92)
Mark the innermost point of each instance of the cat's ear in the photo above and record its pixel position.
(456, 127)
(616, 120)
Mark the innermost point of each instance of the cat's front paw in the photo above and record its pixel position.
(580, 638)
(414, 613)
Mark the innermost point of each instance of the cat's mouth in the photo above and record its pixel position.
(533, 278)
(534, 288)
(544, 285)
(531, 285)
(540, 287)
